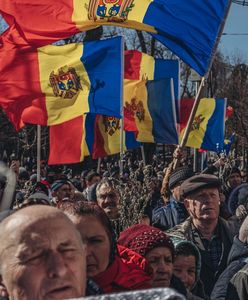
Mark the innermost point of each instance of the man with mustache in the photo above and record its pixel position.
(42, 256)
(108, 197)
(210, 233)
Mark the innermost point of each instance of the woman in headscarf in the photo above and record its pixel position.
(104, 264)
(157, 248)
(187, 267)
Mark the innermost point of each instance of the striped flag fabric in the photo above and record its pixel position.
(188, 28)
(53, 84)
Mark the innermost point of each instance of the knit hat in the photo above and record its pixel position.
(143, 238)
(198, 182)
(180, 175)
(58, 184)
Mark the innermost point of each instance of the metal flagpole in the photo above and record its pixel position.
(122, 114)
(38, 151)
(143, 154)
(99, 165)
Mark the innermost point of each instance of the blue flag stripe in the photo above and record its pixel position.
(214, 135)
(162, 110)
(106, 87)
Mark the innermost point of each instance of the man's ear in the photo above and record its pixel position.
(3, 290)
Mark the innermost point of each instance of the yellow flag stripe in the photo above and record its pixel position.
(203, 114)
(61, 107)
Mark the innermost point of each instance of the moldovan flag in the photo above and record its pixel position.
(189, 28)
(208, 127)
(151, 105)
(86, 135)
(140, 66)
(105, 139)
(53, 84)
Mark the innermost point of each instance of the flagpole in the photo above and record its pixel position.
(121, 146)
(38, 151)
(121, 112)
(197, 99)
(99, 165)
(143, 154)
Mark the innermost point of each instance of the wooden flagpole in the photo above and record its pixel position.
(175, 161)
(38, 151)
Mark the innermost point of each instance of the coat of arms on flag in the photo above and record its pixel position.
(66, 83)
(112, 10)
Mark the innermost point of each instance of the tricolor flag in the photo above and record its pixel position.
(53, 84)
(140, 66)
(86, 135)
(103, 136)
(189, 28)
(208, 127)
(149, 110)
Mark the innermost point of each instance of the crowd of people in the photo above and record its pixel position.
(98, 232)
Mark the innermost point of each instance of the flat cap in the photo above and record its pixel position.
(198, 182)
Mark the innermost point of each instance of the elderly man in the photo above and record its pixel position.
(211, 234)
(41, 255)
(108, 197)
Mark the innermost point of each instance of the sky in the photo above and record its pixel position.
(237, 22)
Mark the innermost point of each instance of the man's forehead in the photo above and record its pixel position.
(106, 188)
(39, 232)
(203, 191)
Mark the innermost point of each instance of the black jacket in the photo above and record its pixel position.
(236, 261)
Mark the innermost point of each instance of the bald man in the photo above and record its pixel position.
(41, 255)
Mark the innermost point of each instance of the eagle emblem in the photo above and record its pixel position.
(135, 108)
(66, 83)
(111, 124)
(197, 122)
(110, 10)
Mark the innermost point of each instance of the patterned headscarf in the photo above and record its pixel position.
(143, 238)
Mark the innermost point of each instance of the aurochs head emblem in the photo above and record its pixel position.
(197, 122)
(66, 83)
(110, 10)
(111, 124)
(135, 108)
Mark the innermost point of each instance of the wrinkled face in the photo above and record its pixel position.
(46, 261)
(185, 269)
(108, 199)
(234, 180)
(63, 192)
(160, 260)
(204, 204)
(97, 240)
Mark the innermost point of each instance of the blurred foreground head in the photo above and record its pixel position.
(41, 255)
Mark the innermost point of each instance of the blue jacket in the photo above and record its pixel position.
(168, 216)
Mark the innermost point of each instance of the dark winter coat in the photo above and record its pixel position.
(236, 261)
